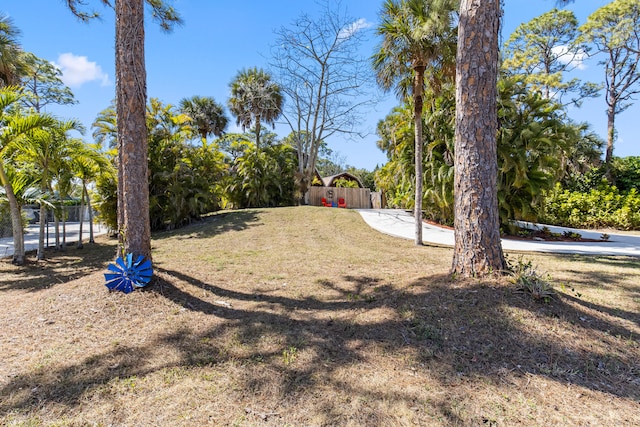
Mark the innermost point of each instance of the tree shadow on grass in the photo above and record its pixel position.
(601, 278)
(58, 267)
(62, 266)
(215, 224)
(595, 278)
(474, 330)
(599, 308)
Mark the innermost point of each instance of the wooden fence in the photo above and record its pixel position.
(356, 198)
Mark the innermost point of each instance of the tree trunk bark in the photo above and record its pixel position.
(131, 95)
(43, 224)
(79, 245)
(86, 192)
(258, 132)
(56, 224)
(478, 250)
(64, 230)
(16, 218)
(611, 135)
(417, 120)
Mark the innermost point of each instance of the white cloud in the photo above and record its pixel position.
(575, 59)
(78, 70)
(353, 28)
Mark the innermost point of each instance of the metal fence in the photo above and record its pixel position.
(31, 215)
(5, 223)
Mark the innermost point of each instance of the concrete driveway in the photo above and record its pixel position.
(400, 223)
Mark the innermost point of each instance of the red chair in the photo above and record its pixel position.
(325, 203)
(342, 203)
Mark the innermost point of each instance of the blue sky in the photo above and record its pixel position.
(219, 38)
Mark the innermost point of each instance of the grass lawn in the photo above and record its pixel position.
(307, 317)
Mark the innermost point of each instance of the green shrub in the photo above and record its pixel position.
(105, 200)
(604, 206)
(262, 177)
(345, 183)
(626, 172)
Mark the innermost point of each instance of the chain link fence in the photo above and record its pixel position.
(5, 222)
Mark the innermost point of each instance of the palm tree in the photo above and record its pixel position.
(24, 188)
(87, 162)
(11, 55)
(64, 187)
(206, 116)
(46, 149)
(12, 129)
(105, 127)
(105, 194)
(415, 35)
(396, 177)
(255, 98)
(532, 142)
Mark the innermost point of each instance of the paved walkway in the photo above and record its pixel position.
(400, 223)
(32, 233)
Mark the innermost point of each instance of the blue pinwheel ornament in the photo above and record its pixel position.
(128, 275)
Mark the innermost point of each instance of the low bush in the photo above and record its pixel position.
(529, 280)
(604, 206)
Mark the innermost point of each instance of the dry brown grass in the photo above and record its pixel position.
(305, 316)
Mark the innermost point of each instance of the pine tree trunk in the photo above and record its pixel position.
(131, 95)
(478, 250)
(611, 135)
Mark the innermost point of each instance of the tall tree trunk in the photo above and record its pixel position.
(258, 132)
(478, 249)
(57, 211)
(43, 224)
(64, 228)
(611, 135)
(418, 84)
(56, 227)
(79, 245)
(131, 95)
(89, 210)
(16, 218)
